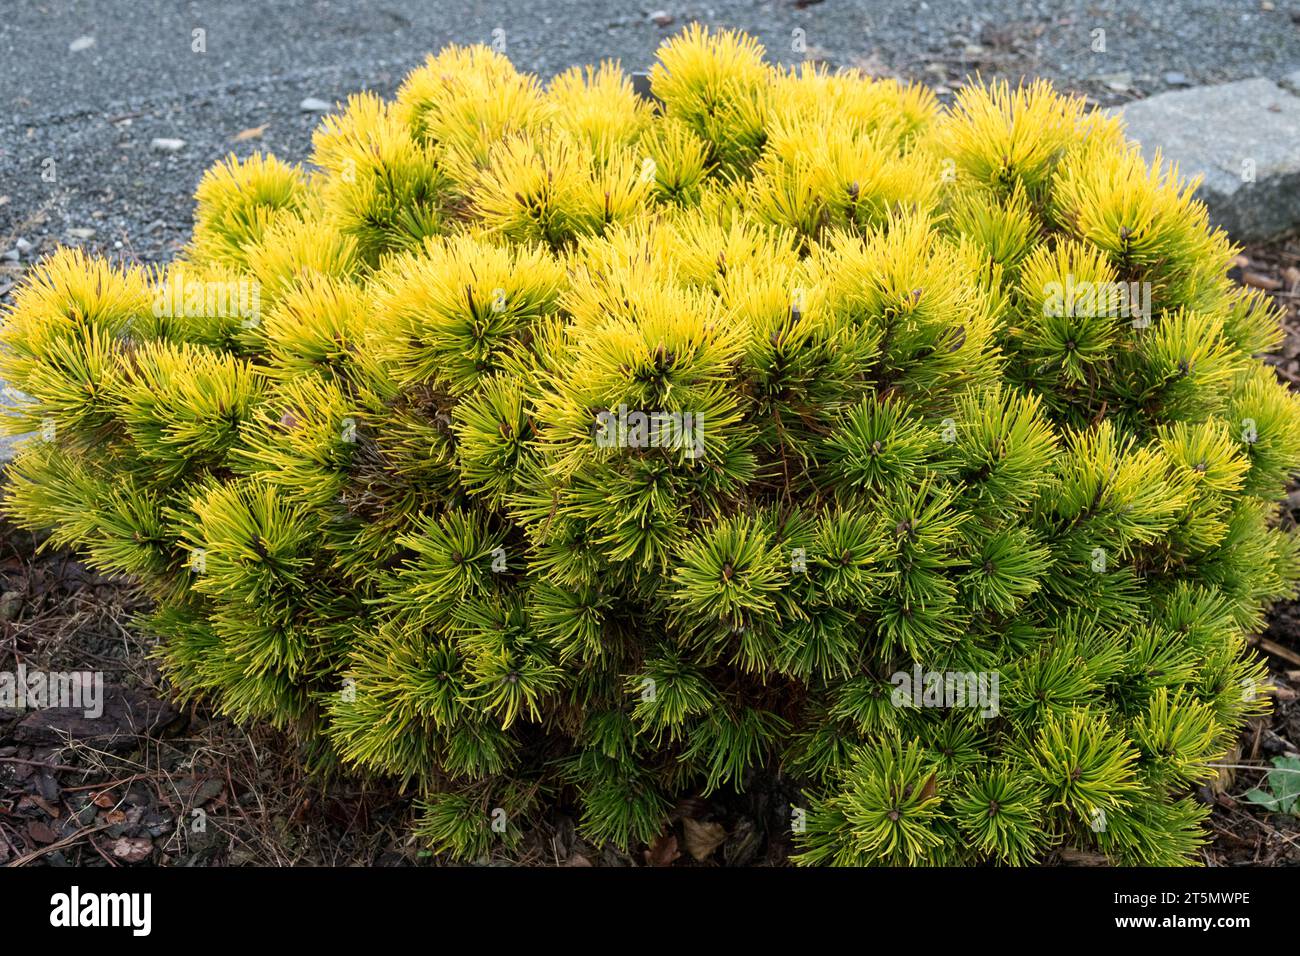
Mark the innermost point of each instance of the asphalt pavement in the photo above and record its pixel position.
(87, 87)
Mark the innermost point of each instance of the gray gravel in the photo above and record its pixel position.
(92, 111)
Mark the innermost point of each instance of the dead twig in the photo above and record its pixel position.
(1276, 649)
(57, 845)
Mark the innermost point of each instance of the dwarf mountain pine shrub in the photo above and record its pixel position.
(541, 444)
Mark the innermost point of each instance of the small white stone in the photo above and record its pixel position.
(81, 233)
(314, 105)
(165, 145)
(1120, 82)
(81, 43)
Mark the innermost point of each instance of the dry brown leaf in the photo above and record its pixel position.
(703, 838)
(113, 817)
(253, 132)
(103, 800)
(1077, 857)
(29, 800)
(1222, 781)
(931, 786)
(663, 851)
(132, 849)
(39, 832)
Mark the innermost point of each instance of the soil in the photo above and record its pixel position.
(150, 782)
(1244, 833)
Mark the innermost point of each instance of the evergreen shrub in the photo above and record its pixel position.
(544, 445)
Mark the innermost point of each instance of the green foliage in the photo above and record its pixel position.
(552, 446)
(1281, 788)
